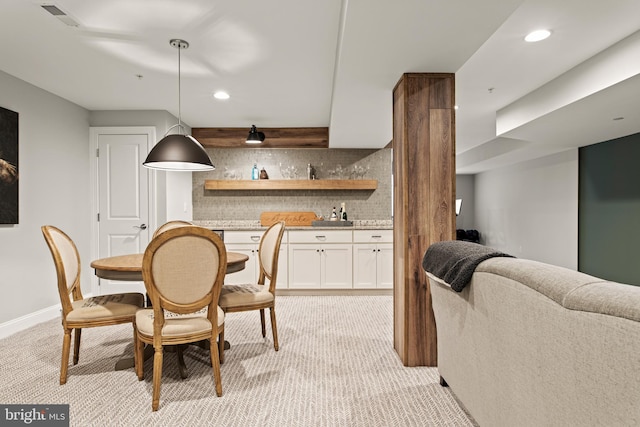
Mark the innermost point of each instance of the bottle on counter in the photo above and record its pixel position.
(254, 172)
(343, 212)
(309, 171)
(334, 215)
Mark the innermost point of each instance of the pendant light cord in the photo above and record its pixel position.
(179, 94)
(179, 44)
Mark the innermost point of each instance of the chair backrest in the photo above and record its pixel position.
(269, 251)
(183, 270)
(67, 261)
(170, 225)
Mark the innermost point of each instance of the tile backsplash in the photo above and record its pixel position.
(279, 163)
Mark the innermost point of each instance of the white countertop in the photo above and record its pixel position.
(255, 225)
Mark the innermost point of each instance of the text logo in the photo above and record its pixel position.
(34, 415)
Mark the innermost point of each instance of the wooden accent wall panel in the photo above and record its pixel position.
(275, 137)
(423, 203)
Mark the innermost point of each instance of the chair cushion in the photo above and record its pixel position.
(239, 295)
(177, 324)
(105, 307)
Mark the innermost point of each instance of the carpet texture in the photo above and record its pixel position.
(336, 367)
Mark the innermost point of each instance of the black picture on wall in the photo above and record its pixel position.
(8, 166)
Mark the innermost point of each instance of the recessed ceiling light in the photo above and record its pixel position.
(536, 36)
(221, 95)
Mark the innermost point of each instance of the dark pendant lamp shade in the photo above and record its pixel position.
(255, 137)
(178, 152)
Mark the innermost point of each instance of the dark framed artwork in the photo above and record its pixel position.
(8, 166)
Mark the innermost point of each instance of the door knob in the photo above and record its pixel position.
(141, 226)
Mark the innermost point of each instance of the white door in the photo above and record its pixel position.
(123, 208)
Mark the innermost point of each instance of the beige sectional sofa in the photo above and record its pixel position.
(531, 344)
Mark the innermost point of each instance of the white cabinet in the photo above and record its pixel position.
(248, 242)
(373, 259)
(320, 259)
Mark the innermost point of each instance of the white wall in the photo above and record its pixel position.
(530, 210)
(54, 189)
(179, 203)
(465, 190)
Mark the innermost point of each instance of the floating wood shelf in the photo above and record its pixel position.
(292, 184)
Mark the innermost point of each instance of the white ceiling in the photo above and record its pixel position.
(334, 63)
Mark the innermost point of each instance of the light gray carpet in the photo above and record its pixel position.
(336, 367)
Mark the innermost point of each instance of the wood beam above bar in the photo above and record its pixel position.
(275, 137)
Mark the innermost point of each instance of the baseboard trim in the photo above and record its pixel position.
(24, 322)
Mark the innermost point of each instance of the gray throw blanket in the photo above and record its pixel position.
(455, 261)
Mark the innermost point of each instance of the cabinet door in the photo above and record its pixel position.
(384, 253)
(365, 266)
(337, 266)
(304, 266)
(251, 269)
(283, 268)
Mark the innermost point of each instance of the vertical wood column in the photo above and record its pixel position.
(423, 203)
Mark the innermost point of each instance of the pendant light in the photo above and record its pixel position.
(255, 137)
(178, 152)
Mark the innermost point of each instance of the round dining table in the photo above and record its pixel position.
(129, 267)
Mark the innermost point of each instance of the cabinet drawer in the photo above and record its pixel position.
(320, 236)
(372, 236)
(247, 236)
(244, 236)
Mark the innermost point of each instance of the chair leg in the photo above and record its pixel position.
(274, 329)
(157, 376)
(264, 331)
(215, 363)
(66, 345)
(221, 345)
(76, 345)
(139, 356)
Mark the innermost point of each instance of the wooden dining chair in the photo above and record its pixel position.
(183, 270)
(79, 313)
(259, 296)
(170, 225)
(179, 349)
